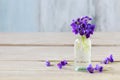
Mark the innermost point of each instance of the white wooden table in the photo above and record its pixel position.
(23, 55)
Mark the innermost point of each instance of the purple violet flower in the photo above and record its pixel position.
(99, 68)
(111, 58)
(63, 63)
(106, 61)
(90, 69)
(82, 26)
(59, 65)
(47, 63)
(96, 67)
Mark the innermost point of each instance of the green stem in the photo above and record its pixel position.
(85, 44)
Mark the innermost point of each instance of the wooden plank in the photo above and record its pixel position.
(59, 76)
(15, 70)
(22, 56)
(53, 53)
(40, 66)
(56, 39)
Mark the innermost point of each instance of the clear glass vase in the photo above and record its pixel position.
(82, 52)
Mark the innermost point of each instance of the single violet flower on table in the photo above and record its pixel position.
(47, 63)
(64, 62)
(108, 59)
(99, 68)
(111, 58)
(96, 67)
(59, 65)
(90, 69)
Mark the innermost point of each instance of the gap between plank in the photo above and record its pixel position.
(49, 60)
(66, 45)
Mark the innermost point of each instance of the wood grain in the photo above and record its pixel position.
(40, 66)
(23, 55)
(56, 39)
(12, 70)
(43, 53)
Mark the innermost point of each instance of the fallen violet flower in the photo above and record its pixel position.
(90, 69)
(99, 68)
(108, 59)
(111, 58)
(47, 63)
(59, 65)
(62, 63)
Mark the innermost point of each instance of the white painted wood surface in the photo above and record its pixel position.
(56, 39)
(23, 55)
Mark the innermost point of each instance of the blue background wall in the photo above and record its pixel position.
(19, 16)
(56, 15)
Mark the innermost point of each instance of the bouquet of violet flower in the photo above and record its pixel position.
(82, 46)
(83, 27)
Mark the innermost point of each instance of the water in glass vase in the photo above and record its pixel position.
(82, 53)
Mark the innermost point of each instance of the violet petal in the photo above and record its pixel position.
(106, 61)
(47, 63)
(90, 69)
(59, 65)
(100, 68)
(96, 67)
(111, 58)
